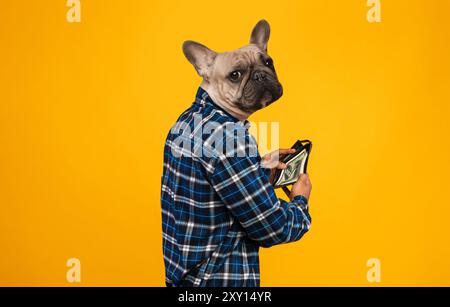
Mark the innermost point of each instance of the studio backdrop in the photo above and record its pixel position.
(90, 88)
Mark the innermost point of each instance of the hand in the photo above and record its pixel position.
(272, 161)
(301, 187)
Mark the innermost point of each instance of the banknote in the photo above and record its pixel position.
(296, 164)
(293, 169)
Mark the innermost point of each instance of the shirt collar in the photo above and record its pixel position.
(202, 97)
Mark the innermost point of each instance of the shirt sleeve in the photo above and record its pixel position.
(245, 189)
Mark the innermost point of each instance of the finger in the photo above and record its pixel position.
(286, 151)
(268, 157)
(303, 177)
(281, 165)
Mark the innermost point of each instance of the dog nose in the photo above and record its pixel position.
(259, 76)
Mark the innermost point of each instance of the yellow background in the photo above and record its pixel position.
(85, 109)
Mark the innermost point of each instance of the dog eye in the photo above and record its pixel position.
(268, 62)
(235, 75)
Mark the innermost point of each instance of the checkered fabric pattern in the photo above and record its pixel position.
(218, 207)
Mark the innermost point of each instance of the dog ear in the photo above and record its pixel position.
(200, 56)
(260, 34)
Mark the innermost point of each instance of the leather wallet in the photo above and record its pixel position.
(296, 164)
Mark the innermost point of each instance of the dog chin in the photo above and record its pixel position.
(270, 97)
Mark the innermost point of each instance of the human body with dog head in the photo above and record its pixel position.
(220, 207)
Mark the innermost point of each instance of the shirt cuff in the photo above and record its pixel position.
(300, 199)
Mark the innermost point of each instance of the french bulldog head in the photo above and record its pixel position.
(240, 81)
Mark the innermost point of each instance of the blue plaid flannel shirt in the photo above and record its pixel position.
(219, 208)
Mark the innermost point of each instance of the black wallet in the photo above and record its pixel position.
(296, 164)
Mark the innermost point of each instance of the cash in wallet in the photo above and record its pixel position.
(296, 164)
